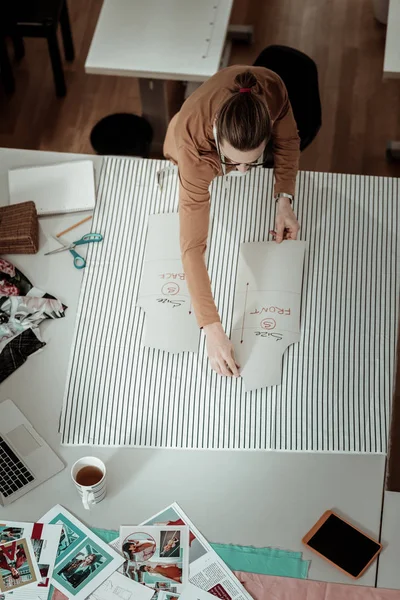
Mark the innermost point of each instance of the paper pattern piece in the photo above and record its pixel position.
(83, 561)
(266, 318)
(119, 393)
(156, 555)
(207, 571)
(170, 322)
(18, 566)
(119, 587)
(61, 188)
(45, 540)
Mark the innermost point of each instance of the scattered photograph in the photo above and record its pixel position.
(170, 544)
(139, 547)
(164, 590)
(44, 540)
(171, 517)
(37, 545)
(71, 536)
(16, 565)
(166, 586)
(10, 534)
(156, 573)
(84, 561)
(68, 537)
(44, 575)
(81, 567)
(167, 596)
(156, 555)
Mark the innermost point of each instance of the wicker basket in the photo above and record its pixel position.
(19, 229)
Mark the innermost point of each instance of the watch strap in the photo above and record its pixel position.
(284, 195)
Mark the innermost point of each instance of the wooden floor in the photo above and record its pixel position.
(360, 112)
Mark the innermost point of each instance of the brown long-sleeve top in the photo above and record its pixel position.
(190, 144)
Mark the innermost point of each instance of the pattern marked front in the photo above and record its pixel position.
(337, 383)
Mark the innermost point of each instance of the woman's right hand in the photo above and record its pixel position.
(220, 351)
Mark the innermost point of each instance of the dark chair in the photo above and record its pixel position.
(6, 73)
(122, 134)
(7, 27)
(300, 76)
(40, 18)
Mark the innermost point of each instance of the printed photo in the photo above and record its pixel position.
(156, 555)
(37, 545)
(71, 537)
(10, 534)
(170, 517)
(154, 573)
(170, 544)
(86, 562)
(167, 596)
(81, 567)
(44, 575)
(166, 586)
(139, 547)
(16, 568)
(165, 591)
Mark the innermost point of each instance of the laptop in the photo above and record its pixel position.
(26, 460)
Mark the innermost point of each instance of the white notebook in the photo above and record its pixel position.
(60, 188)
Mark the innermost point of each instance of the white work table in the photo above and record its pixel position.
(172, 39)
(391, 65)
(159, 41)
(244, 497)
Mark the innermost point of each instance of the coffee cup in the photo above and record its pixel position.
(89, 475)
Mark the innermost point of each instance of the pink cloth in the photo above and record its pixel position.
(268, 587)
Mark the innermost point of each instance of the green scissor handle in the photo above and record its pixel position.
(79, 261)
(89, 238)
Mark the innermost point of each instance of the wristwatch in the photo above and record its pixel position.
(283, 195)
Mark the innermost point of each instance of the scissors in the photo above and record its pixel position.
(79, 261)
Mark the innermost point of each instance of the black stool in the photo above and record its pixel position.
(122, 134)
(300, 76)
(40, 18)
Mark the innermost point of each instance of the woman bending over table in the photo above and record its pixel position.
(229, 123)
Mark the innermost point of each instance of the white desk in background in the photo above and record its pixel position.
(157, 41)
(391, 65)
(260, 498)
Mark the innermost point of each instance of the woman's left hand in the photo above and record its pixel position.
(286, 223)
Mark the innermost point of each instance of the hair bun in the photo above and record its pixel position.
(245, 81)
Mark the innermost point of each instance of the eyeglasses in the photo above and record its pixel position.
(236, 164)
(230, 163)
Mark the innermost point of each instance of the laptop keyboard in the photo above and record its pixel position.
(13, 473)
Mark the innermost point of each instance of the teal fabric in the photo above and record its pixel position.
(266, 561)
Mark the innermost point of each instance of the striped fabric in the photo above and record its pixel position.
(337, 383)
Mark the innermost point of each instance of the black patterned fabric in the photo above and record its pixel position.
(17, 351)
(22, 308)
